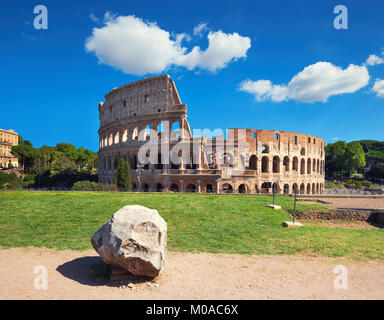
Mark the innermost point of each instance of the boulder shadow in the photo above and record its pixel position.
(91, 271)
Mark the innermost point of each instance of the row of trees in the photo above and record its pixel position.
(58, 166)
(366, 157)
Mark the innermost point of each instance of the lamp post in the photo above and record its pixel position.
(139, 170)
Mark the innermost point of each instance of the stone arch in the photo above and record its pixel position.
(145, 187)
(302, 166)
(160, 129)
(302, 188)
(125, 135)
(135, 133)
(159, 187)
(134, 187)
(276, 187)
(227, 188)
(253, 162)
(295, 164)
(175, 130)
(317, 188)
(209, 188)
(264, 148)
(295, 188)
(308, 188)
(309, 166)
(243, 188)
(265, 164)
(276, 164)
(191, 188)
(314, 166)
(318, 166)
(313, 188)
(286, 163)
(174, 187)
(286, 189)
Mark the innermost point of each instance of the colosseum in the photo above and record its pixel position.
(145, 123)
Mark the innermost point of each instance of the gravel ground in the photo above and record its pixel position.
(190, 276)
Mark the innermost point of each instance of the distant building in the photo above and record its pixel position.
(8, 138)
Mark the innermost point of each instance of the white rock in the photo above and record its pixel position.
(135, 239)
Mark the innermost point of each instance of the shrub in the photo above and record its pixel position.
(122, 176)
(93, 186)
(354, 183)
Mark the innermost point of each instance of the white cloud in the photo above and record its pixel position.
(199, 29)
(94, 18)
(316, 82)
(374, 60)
(222, 49)
(335, 139)
(137, 47)
(378, 88)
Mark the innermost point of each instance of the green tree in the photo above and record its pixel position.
(122, 178)
(334, 157)
(354, 157)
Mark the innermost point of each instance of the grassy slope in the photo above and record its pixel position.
(196, 222)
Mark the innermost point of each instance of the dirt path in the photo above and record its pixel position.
(357, 203)
(190, 276)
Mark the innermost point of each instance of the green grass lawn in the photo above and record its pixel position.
(196, 222)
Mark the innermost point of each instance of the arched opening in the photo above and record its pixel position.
(134, 187)
(264, 149)
(125, 135)
(313, 188)
(145, 187)
(302, 188)
(257, 188)
(160, 130)
(317, 188)
(174, 187)
(286, 164)
(175, 131)
(295, 164)
(295, 188)
(265, 164)
(191, 188)
(227, 188)
(286, 189)
(243, 188)
(276, 164)
(209, 188)
(135, 133)
(266, 186)
(314, 166)
(302, 166)
(318, 166)
(309, 166)
(308, 188)
(159, 187)
(116, 137)
(253, 162)
(147, 133)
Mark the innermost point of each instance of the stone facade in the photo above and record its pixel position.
(149, 114)
(8, 138)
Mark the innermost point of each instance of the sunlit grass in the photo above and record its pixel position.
(196, 223)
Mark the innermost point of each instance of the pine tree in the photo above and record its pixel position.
(122, 178)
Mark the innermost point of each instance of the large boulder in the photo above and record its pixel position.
(135, 239)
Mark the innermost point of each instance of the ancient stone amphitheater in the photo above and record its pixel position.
(145, 123)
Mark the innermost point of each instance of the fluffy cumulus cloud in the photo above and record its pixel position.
(374, 60)
(137, 47)
(199, 29)
(378, 88)
(316, 82)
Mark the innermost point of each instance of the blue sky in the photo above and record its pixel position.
(51, 85)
